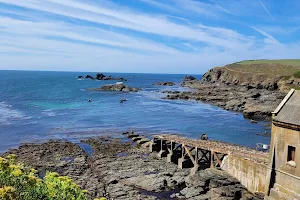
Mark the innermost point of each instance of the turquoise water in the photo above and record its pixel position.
(35, 106)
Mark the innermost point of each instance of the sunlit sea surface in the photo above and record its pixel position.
(36, 106)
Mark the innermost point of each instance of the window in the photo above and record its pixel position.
(291, 156)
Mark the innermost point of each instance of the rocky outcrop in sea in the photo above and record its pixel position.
(118, 87)
(101, 77)
(165, 83)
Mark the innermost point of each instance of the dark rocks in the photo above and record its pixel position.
(104, 173)
(253, 121)
(189, 78)
(213, 184)
(102, 77)
(123, 100)
(89, 77)
(108, 78)
(165, 83)
(252, 102)
(265, 134)
(256, 95)
(119, 87)
(204, 137)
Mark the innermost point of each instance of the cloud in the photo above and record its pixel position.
(134, 21)
(270, 37)
(107, 36)
(281, 30)
(79, 33)
(266, 10)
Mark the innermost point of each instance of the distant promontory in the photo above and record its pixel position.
(253, 87)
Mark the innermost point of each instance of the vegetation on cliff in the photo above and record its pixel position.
(297, 74)
(267, 74)
(284, 67)
(19, 182)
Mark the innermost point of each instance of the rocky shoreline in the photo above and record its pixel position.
(254, 101)
(120, 169)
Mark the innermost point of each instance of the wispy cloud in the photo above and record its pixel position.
(266, 10)
(78, 35)
(159, 4)
(134, 21)
(265, 34)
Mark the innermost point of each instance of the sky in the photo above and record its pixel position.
(146, 36)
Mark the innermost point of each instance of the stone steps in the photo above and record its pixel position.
(280, 193)
(269, 198)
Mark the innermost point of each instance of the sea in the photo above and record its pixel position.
(36, 106)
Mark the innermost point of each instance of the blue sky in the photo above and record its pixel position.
(157, 36)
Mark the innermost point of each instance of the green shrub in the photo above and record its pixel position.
(297, 74)
(296, 87)
(17, 182)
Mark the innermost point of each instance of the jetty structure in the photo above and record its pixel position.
(274, 174)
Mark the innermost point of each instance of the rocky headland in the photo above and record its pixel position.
(118, 87)
(101, 77)
(117, 169)
(253, 89)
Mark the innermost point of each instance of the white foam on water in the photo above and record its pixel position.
(8, 114)
(49, 113)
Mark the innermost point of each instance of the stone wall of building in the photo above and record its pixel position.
(254, 176)
(287, 174)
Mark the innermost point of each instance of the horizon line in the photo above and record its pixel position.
(66, 71)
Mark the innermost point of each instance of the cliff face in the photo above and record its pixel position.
(254, 88)
(234, 77)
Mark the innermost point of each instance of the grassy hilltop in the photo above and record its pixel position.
(284, 67)
(268, 74)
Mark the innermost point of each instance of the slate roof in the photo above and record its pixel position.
(289, 109)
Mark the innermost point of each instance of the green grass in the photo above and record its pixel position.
(297, 74)
(296, 87)
(288, 62)
(285, 67)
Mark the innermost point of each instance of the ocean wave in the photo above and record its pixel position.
(53, 113)
(49, 113)
(8, 114)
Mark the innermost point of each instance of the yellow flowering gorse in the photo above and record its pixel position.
(19, 183)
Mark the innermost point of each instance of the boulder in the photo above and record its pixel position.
(189, 78)
(108, 78)
(89, 77)
(100, 76)
(119, 87)
(165, 83)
